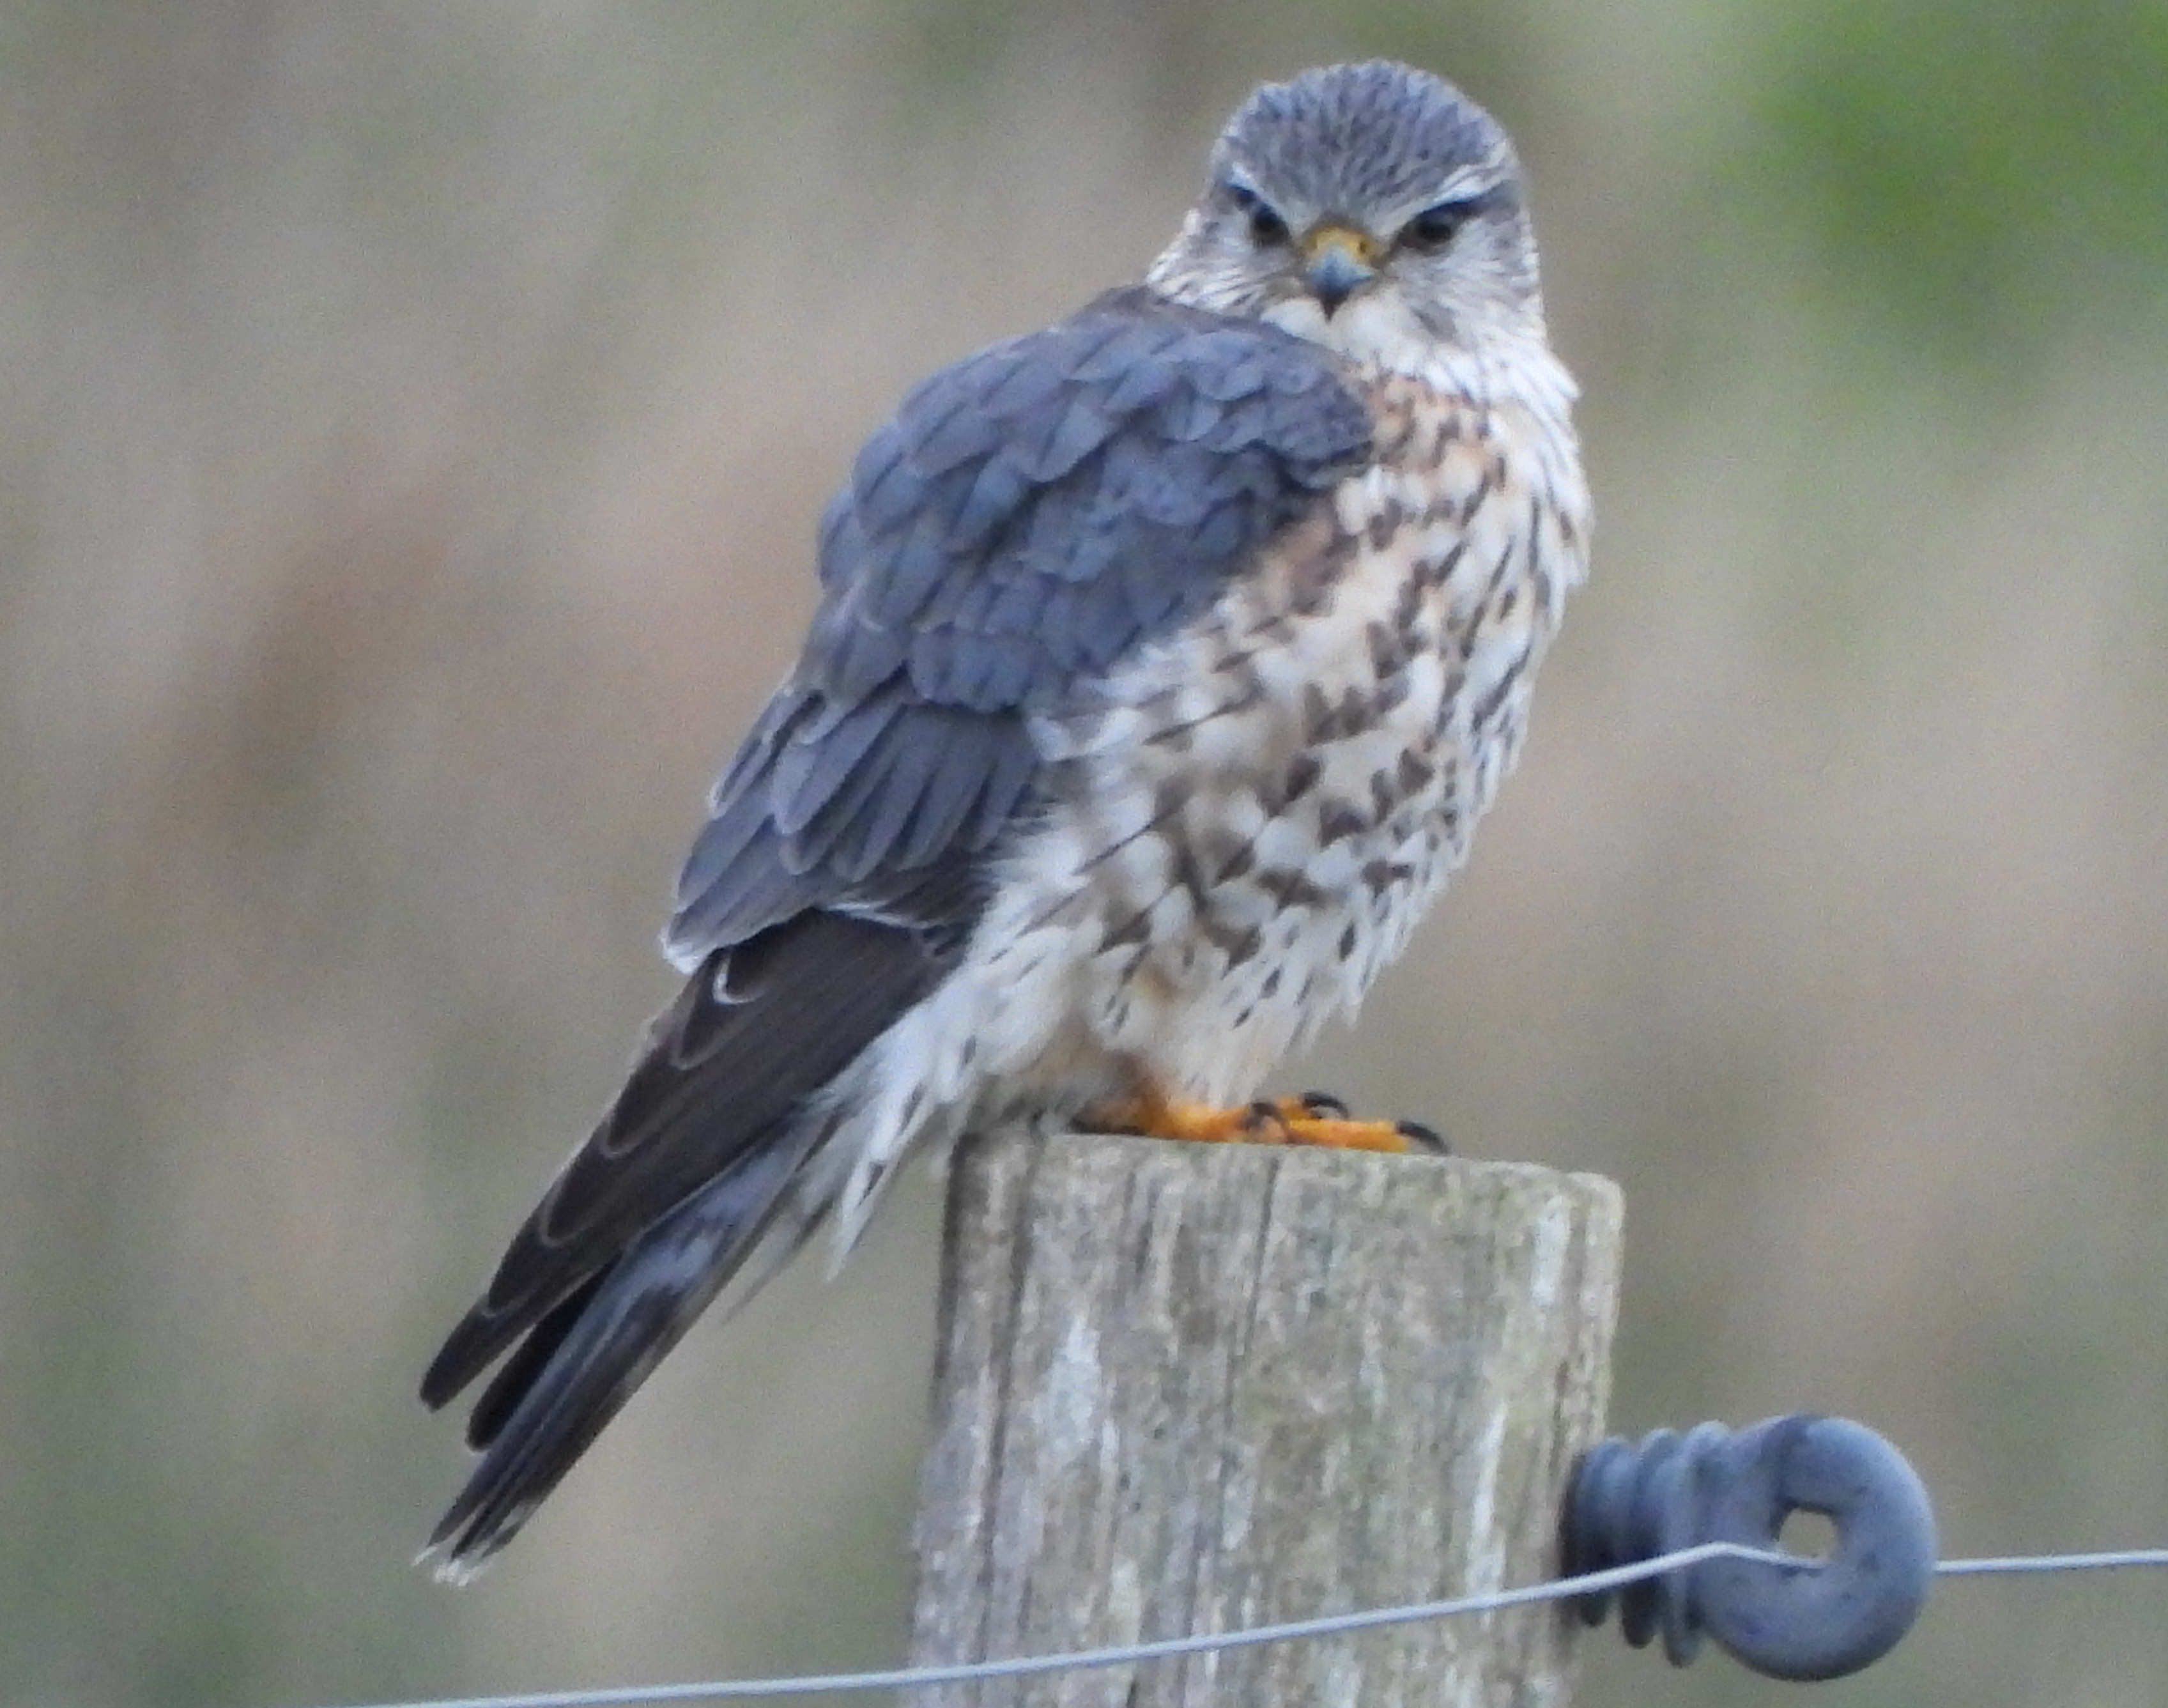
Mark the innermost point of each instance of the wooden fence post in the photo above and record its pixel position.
(1187, 1387)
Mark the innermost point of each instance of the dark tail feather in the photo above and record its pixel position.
(510, 1384)
(585, 1359)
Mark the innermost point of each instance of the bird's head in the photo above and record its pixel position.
(1373, 208)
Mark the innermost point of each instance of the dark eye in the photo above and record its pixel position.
(1434, 227)
(1268, 229)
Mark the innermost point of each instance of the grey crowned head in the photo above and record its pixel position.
(1363, 205)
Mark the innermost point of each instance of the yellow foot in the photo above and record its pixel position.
(1314, 1118)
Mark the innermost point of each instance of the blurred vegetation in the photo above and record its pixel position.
(1985, 163)
(416, 418)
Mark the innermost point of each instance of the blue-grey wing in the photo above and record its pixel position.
(1030, 516)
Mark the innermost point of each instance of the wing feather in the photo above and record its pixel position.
(709, 1085)
(1029, 515)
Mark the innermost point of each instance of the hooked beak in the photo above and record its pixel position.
(1336, 262)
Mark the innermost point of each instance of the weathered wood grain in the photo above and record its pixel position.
(1189, 1387)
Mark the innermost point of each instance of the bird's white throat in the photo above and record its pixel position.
(1377, 332)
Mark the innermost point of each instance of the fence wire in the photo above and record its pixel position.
(1292, 1630)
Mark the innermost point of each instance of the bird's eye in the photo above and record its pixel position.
(1268, 229)
(1434, 227)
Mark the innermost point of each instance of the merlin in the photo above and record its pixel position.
(1164, 662)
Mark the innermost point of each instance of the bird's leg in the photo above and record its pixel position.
(1314, 1118)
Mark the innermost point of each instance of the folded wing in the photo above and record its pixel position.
(1030, 516)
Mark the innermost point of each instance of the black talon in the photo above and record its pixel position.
(1262, 1114)
(1429, 1138)
(1323, 1105)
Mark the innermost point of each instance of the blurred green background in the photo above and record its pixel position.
(414, 420)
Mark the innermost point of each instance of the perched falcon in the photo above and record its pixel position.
(1165, 661)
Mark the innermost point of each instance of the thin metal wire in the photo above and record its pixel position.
(2013, 1563)
(1329, 1624)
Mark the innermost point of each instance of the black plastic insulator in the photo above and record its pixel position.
(1821, 1619)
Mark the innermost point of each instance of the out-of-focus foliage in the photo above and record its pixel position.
(415, 421)
(1968, 168)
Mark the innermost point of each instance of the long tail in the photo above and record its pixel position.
(584, 1359)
